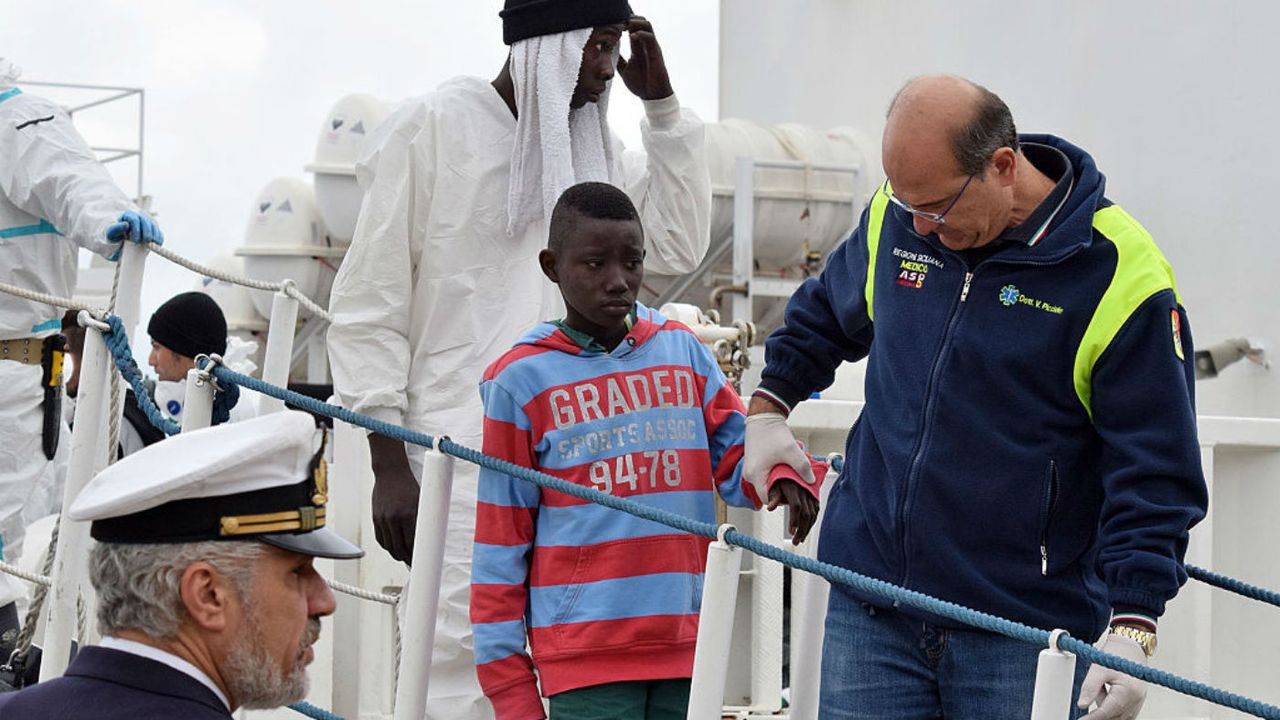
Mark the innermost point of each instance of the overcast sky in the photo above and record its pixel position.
(236, 90)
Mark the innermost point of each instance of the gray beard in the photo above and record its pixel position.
(254, 679)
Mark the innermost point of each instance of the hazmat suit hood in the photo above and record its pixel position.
(9, 73)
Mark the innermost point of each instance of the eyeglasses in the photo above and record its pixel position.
(936, 218)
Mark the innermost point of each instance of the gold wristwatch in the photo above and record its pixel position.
(1145, 638)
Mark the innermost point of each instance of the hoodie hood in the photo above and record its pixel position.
(550, 336)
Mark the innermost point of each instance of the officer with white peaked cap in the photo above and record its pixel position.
(207, 597)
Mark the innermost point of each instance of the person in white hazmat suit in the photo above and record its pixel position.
(55, 197)
(442, 276)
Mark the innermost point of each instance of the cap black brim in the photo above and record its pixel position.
(321, 542)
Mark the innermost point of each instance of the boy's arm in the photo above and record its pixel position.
(505, 514)
(725, 420)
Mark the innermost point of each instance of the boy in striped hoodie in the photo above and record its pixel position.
(618, 398)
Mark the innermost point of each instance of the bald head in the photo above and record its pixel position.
(938, 119)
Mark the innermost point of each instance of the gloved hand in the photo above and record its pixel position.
(769, 443)
(134, 226)
(1119, 696)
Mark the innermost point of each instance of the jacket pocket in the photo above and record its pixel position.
(1047, 508)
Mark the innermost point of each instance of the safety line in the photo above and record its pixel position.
(286, 287)
(1208, 577)
(18, 572)
(354, 591)
(1231, 584)
(312, 711)
(48, 299)
(830, 572)
(117, 342)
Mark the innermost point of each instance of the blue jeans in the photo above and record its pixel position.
(880, 665)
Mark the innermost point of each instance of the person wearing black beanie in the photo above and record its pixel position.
(523, 19)
(186, 325)
(443, 273)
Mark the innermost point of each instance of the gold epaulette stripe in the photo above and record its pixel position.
(303, 519)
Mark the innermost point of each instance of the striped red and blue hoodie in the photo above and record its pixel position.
(600, 595)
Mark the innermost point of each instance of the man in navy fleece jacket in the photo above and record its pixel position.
(1028, 446)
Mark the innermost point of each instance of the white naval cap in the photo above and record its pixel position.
(261, 479)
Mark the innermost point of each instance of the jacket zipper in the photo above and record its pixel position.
(1050, 499)
(926, 423)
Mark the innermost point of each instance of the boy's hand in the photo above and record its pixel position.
(804, 507)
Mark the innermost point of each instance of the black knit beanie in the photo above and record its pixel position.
(530, 18)
(190, 324)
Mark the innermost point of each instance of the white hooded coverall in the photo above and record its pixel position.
(434, 289)
(54, 198)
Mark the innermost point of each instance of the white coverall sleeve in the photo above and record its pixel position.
(670, 186)
(48, 170)
(372, 299)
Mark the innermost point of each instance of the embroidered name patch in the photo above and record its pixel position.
(1010, 295)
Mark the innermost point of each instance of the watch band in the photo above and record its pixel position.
(1145, 638)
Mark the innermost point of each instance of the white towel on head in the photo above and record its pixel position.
(555, 147)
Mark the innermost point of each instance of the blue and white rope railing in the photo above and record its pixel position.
(1208, 577)
(730, 536)
(118, 348)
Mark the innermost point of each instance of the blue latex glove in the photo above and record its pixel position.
(136, 227)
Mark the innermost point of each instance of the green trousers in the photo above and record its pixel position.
(632, 700)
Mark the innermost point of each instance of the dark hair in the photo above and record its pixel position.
(990, 129)
(598, 200)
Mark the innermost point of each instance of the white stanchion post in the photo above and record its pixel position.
(197, 406)
(347, 478)
(809, 595)
(766, 617)
(423, 601)
(279, 353)
(1055, 681)
(715, 629)
(88, 453)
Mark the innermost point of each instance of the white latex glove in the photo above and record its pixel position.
(769, 443)
(1119, 696)
(239, 355)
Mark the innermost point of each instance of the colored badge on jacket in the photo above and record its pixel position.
(1177, 334)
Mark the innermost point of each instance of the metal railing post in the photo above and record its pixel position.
(809, 594)
(715, 629)
(744, 221)
(766, 617)
(423, 601)
(197, 406)
(279, 353)
(1055, 681)
(348, 477)
(89, 454)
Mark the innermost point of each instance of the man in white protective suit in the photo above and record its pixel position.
(54, 199)
(442, 276)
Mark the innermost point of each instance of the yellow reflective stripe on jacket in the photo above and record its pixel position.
(1141, 271)
(875, 218)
